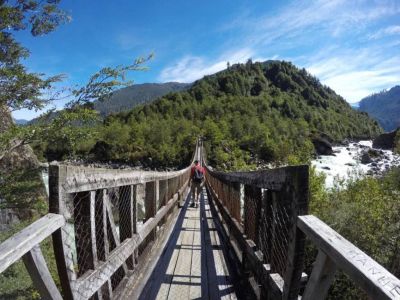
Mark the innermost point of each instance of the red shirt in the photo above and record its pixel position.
(198, 167)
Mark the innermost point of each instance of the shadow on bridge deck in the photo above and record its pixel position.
(193, 264)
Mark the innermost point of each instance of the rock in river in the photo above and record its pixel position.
(385, 140)
(322, 146)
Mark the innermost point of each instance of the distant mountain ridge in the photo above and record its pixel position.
(384, 107)
(127, 98)
(21, 121)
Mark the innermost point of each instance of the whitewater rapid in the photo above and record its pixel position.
(346, 162)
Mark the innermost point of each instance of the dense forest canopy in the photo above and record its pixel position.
(248, 114)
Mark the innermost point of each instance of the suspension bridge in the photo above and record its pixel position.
(123, 234)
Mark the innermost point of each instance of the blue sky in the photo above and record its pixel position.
(350, 45)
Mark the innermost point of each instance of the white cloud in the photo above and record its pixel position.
(356, 74)
(328, 35)
(304, 20)
(191, 68)
(388, 31)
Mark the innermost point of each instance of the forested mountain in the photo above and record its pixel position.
(249, 113)
(129, 97)
(384, 107)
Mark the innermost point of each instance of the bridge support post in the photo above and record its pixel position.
(163, 196)
(321, 278)
(102, 243)
(296, 195)
(59, 203)
(151, 201)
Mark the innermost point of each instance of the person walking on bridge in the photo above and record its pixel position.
(196, 182)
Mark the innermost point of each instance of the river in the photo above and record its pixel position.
(346, 162)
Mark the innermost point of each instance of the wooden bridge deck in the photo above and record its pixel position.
(193, 264)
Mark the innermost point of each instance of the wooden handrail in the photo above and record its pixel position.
(336, 251)
(89, 252)
(26, 245)
(273, 179)
(93, 281)
(80, 179)
(22, 242)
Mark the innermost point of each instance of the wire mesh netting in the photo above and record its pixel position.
(266, 218)
(274, 234)
(100, 221)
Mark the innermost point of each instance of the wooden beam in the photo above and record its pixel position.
(374, 279)
(60, 202)
(101, 244)
(40, 275)
(321, 278)
(22, 242)
(151, 200)
(114, 235)
(81, 179)
(273, 179)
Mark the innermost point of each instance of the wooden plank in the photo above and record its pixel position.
(195, 270)
(114, 235)
(22, 242)
(321, 278)
(148, 274)
(40, 275)
(221, 270)
(180, 285)
(166, 278)
(374, 279)
(212, 282)
(205, 239)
